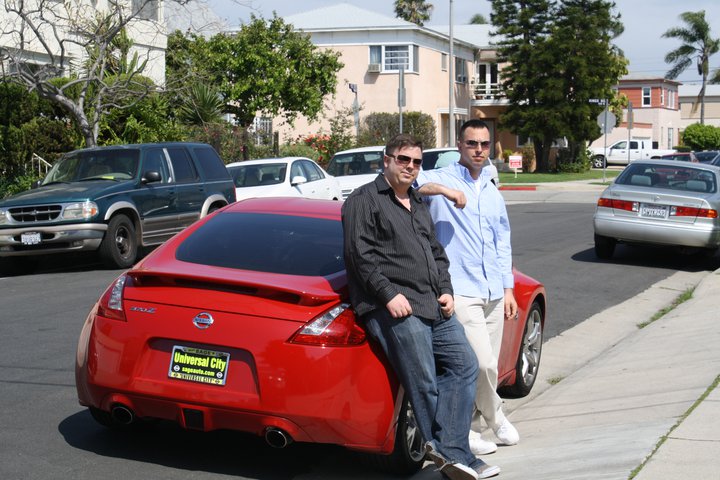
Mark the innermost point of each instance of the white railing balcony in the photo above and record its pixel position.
(488, 91)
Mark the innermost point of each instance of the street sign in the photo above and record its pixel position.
(606, 121)
(599, 101)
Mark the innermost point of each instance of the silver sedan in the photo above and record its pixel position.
(662, 203)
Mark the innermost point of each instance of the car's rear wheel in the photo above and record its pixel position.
(409, 453)
(604, 247)
(119, 248)
(528, 361)
(598, 161)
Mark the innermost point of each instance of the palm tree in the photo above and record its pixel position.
(698, 46)
(415, 11)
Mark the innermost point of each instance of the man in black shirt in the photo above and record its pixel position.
(400, 288)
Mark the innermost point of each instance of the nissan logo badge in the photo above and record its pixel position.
(203, 320)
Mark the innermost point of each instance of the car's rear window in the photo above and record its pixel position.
(267, 243)
(679, 178)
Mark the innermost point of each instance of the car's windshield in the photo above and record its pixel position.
(111, 164)
(668, 177)
(358, 163)
(284, 244)
(254, 175)
(706, 156)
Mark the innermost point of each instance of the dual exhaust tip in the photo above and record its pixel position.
(275, 437)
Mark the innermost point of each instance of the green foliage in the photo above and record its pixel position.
(298, 150)
(506, 154)
(528, 158)
(267, 66)
(11, 186)
(573, 160)
(560, 56)
(702, 137)
(203, 104)
(380, 127)
(415, 11)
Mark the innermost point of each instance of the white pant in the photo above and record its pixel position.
(483, 323)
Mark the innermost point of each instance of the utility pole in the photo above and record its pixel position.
(451, 87)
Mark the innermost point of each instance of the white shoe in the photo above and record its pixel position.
(479, 446)
(507, 434)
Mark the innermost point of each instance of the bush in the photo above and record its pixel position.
(567, 163)
(528, 158)
(380, 127)
(20, 183)
(702, 137)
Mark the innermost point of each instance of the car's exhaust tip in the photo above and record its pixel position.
(122, 414)
(277, 438)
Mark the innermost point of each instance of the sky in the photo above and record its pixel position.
(645, 21)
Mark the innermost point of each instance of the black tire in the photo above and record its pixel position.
(408, 455)
(119, 248)
(528, 361)
(604, 247)
(599, 161)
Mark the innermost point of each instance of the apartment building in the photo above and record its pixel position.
(375, 48)
(653, 112)
(61, 29)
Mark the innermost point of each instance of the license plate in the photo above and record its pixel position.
(653, 211)
(30, 238)
(199, 365)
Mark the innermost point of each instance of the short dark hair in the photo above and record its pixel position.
(401, 141)
(472, 123)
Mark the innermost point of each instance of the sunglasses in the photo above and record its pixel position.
(474, 144)
(404, 160)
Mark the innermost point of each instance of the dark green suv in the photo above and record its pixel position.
(114, 200)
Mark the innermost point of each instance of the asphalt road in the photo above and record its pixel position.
(45, 434)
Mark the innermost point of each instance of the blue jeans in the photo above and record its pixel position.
(438, 370)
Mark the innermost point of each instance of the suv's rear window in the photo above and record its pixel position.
(211, 164)
(267, 243)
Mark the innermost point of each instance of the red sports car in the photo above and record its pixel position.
(241, 322)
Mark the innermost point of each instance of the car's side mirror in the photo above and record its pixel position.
(35, 184)
(298, 180)
(151, 177)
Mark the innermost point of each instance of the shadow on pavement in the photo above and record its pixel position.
(670, 258)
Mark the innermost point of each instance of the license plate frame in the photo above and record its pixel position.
(199, 365)
(652, 210)
(31, 238)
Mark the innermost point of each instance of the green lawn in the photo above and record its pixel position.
(594, 174)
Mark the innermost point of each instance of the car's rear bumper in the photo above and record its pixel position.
(625, 229)
(341, 396)
(54, 239)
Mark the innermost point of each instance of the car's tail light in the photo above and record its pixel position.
(334, 328)
(111, 302)
(618, 204)
(693, 212)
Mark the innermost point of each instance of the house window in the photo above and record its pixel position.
(662, 96)
(145, 9)
(670, 134)
(395, 57)
(646, 98)
(460, 70)
(444, 62)
(671, 99)
(487, 81)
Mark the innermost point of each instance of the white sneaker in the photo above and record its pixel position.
(507, 434)
(479, 446)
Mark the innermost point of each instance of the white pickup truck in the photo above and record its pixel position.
(618, 153)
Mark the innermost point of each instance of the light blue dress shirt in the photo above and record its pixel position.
(476, 238)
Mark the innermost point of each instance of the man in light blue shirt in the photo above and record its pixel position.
(471, 223)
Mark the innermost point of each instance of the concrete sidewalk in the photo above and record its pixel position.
(608, 392)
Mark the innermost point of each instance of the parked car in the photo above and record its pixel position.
(661, 202)
(624, 152)
(356, 167)
(681, 157)
(283, 177)
(431, 156)
(114, 200)
(242, 322)
(708, 156)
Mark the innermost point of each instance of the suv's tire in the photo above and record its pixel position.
(598, 161)
(408, 455)
(119, 248)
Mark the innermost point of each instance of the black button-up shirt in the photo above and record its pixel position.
(390, 249)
